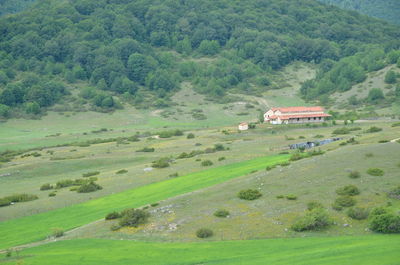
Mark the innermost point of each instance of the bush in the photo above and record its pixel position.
(89, 174)
(46, 186)
(350, 190)
(341, 131)
(112, 216)
(315, 219)
(161, 163)
(115, 227)
(385, 223)
(221, 213)
(4, 202)
(284, 164)
(280, 196)
(375, 172)
(354, 174)
(357, 213)
(133, 217)
(146, 149)
(296, 156)
(221, 158)
(206, 163)
(249, 194)
(154, 204)
(65, 183)
(268, 168)
(121, 171)
(204, 233)
(52, 194)
(89, 187)
(190, 136)
(378, 211)
(57, 232)
(291, 197)
(23, 197)
(373, 129)
(344, 201)
(395, 193)
(173, 175)
(314, 205)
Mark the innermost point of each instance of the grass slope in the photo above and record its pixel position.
(36, 227)
(375, 249)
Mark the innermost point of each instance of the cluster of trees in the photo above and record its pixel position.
(14, 6)
(121, 47)
(384, 9)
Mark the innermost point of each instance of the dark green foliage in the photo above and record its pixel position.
(52, 194)
(89, 187)
(349, 190)
(113, 215)
(390, 77)
(4, 202)
(90, 174)
(221, 158)
(373, 129)
(249, 194)
(313, 205)
(23, 197)
(375, 95)
(121, 171)
(161, 163)
(284, 164)
(57, 232)
(146, 149)
(354, 174)
(206, 163)
(133, 217)
(221, 213)
(394, 193)
(190, 136)
(357, 213)
(375, 172)
(385, 223)
(316, 219)
(291, 197)
(46, 186)
(204, 233)
(343, 130)
(154, 204)
(343, 201)
(168, 134)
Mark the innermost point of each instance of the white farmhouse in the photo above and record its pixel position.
(295, 115)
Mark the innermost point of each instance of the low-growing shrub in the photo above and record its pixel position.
(161, 163)
(23, 197)
(354, 174)
(133, 217)
(4, 202)
(280, 196)
(75, 188)
(357, 213)
(313, 205)
(385, 223)
(268, 168)
(249, 194)
(344, 201)
(146, 149)
(52, 194)
(204, 233)
(396, 124)
(291, 197)
(350, 190)
(121, 171)
(341, 131)
(296, 156)
(65, 183)
(113, 215)
(190, 136)
(57, 232)
(206, 163)
(375, 172)
(154, 204)
(46, 186)
(383, 141)
(369, 155)
(395, 193)
(168, 134)
(221, 158)
(115, 227)
(373, 129)
(284, 164)
(89, 187)
(221, 213)
(89, 174)
(315, 219)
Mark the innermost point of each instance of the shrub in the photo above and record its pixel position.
(206, 163)
(373, 129)
(89, 187)
(291, 197)
(4, 202)
(343, 201)
(396, 124)
(385, 223)
(313, 205)
(190, 136)
(350, 190)
(221, 213)
(395, 193)
(249, 194)
(354, 174)
(204, 233)
(146, 149)
(268, 168)
(357, 213)
(52, 194)
(57, 232)
(284, 164)
(161, 163)
(221, 158)
(115, 227)
(173, 175)
(23, 197)
(121, 171)
(315, 219)
(375, 172)
(341, 131)
(378, 211)
(112, 216)
(296, 156)
(369, 155)
(219, 147)
(154, 204)
(46, 186)
(280, 196)
(65, 183)
(89, 174)
(133, 217)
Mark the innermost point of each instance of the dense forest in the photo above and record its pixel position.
(385, 9)
(144, 49)
(14, 6)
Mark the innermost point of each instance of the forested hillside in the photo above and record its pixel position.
(90, 52)
(14, 6)
(384, 9)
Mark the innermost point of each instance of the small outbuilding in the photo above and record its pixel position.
(244, 126)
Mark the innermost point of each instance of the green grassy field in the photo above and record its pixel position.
(365, 250)
(39, 226)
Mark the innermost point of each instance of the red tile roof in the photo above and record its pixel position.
(298, 109)
(286, 117)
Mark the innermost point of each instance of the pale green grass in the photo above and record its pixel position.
(36, 227)
(365, 250)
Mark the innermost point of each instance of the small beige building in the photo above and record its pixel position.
(295, 115)
(244, 126)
